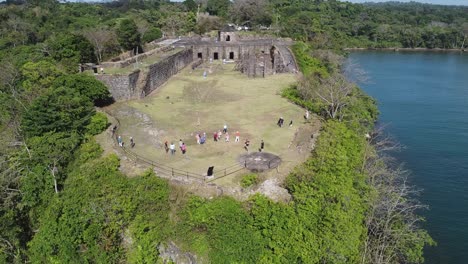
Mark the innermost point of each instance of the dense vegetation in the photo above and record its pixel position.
(61, 200)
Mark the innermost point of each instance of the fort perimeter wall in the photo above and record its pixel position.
(141, 82)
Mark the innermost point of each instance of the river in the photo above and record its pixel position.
(423, 99)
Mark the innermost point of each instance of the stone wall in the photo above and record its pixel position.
(140, 83)
(122, 87)
(160, 72)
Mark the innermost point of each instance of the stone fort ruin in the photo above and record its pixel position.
(253, 56)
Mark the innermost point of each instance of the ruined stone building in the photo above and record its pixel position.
(254, 56)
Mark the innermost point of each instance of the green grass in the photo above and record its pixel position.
(190, 104)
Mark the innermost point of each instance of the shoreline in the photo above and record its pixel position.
(408, 49)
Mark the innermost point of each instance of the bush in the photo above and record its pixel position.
(152, 34)
(87, 86)
(98, 124)
(249, 180)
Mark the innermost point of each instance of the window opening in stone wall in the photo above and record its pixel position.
(231, 55)
(215, 56)
(200, 55)
(228, 38)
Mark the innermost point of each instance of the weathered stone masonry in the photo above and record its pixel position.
(140, 83)
(122, 87)
(254, 56)
(160, 72)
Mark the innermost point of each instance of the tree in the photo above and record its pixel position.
(253, 11)
(152, 34)
(100, 38)
(59, 110)
(332, 92)
(87, 86)
(70, 50)
(38, 78)
(465, 34)
(128, 35)
(218, 7)
(394, 231)
(190, 5)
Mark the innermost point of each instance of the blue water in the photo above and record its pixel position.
(423, 97)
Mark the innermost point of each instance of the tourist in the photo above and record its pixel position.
(290, 123)
(203, 139)
(237, 136)
(246, 145)
(227, 137)
(102, 70)
(262, 145)
(220, 135)
(197, 137)
(172, 147)
(120, 141)
(307, 114)
(280, 122)
(183, 148)
(132, 143)
(215, 136)
(114, 129)
(180, 143)
(225, 129)
(166, 147)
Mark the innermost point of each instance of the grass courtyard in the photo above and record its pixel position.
(189, 104)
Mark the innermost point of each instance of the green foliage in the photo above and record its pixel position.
(280, 230)
(190, 5)
(329, 194)
(46, 152)
(361, 111)
(59, 110)
(228, 229)
(99, 212)
(308, 64)
(152, 34)
(87, 86)
(293, 95)
(249, 180)
(128, 35)
(97, 124)
(38, 77)
(151, 223)
(70, 50)
(218, 7)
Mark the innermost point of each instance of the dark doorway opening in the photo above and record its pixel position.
(200, 55)
(215, 56)
(228, 38)
(231, 55)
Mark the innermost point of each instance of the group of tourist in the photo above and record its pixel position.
(201, 138)
(121, 142)
(280, 122)
(172, 148)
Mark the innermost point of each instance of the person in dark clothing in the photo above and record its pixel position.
(262, 145)
(132, 143)
(246, 145)
(114, 129)
(290, 123)
(280, 122)
(166, 147)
